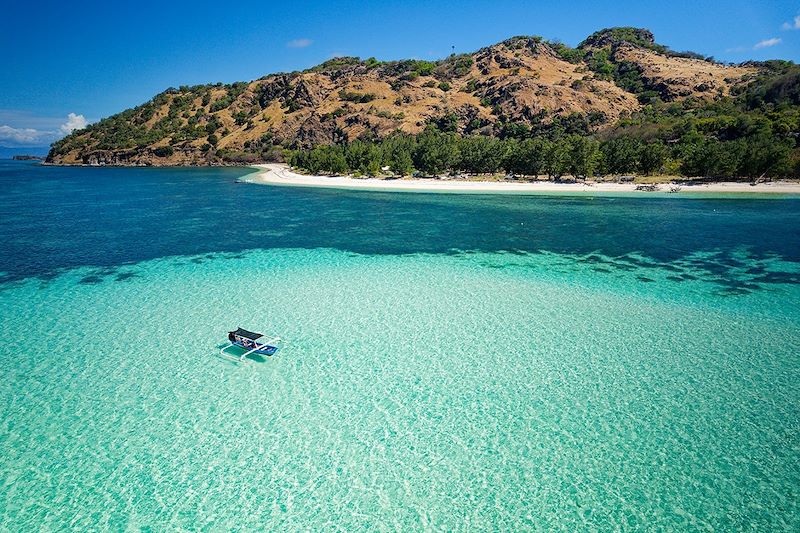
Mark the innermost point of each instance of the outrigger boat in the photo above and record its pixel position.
(250, 342)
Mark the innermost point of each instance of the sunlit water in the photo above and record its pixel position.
(455, 362)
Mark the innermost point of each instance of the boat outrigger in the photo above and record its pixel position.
(250, 342)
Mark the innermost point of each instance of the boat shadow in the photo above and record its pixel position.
(253, 357)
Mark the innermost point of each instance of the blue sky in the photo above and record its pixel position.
(93, 59)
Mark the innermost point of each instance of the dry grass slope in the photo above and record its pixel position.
(523, 80)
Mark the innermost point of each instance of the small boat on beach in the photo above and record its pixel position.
(250, 342)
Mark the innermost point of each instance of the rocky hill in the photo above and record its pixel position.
(521, 81)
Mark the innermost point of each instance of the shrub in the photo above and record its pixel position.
(361, 98)
(163, 151)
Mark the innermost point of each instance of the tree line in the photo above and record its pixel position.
(434, 152)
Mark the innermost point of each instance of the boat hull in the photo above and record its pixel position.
(266, 350)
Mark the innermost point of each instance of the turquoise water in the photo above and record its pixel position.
(612, 366)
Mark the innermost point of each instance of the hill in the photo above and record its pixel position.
(618, 80)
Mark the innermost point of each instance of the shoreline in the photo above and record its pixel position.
(281, 175)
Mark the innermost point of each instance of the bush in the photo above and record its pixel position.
(571, 55)
(455, 66)
(424, 68)
(163, 151)
(361, 98)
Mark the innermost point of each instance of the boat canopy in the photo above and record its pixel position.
(247, 334)
(251, 342)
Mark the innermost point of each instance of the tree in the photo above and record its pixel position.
(398, 150)
(335, 162)
(401, 163)
(622, 154)
(707, 157)
(557, 159)
(480, 154)
(373, 167)
(435, 152)
(527, 157)
(762, 155)
(361, 155)
(652, 157)
(581, 155)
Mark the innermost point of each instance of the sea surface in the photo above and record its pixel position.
(456, 362)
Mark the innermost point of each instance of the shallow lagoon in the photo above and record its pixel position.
(455, 362)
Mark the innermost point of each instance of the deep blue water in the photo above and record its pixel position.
(56, 218)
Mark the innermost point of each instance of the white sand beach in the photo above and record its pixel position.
(280, 174)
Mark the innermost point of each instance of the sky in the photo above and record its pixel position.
(66, 64)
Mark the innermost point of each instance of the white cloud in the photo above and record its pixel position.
(299, 43)
(766, 43)
(74, 122)
(9, 135)
(793, 25)
(16, 132)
